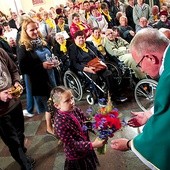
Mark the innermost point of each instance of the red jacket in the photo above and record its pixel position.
(74, 28)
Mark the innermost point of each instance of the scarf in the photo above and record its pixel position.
(80, 25)
(61, 26)
(100, 10)
(99, 18)
(107, 15)
(155, 17)
(63, 47)
(83, 47)
(50, 23)
(36, 43)
(87, 15)
(98, 43)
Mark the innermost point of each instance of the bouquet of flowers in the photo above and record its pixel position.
(105, 121)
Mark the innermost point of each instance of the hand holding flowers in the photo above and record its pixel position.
(105, 122)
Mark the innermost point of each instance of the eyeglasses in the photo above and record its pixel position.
(140, 62)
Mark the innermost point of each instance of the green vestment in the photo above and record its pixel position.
(154, 142)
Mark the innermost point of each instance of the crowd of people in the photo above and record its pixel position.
(76, 34)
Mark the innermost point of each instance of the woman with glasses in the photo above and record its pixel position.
(97, 20)
(78, 25)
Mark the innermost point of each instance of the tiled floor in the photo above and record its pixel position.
(49, 155)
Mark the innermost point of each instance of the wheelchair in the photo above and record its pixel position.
(145, 93)
(81, 83)
(121, 72)
(144, 89)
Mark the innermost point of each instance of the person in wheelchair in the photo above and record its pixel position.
(81, 52)
(60, 49)
(117, 46)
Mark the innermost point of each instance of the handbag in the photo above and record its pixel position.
(97, 63)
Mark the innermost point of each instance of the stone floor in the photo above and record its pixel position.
(49, 155)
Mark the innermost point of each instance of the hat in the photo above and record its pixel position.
(163, 13)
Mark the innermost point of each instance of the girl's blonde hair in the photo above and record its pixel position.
(24, 38)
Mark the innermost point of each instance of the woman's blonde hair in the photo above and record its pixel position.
(24, 38)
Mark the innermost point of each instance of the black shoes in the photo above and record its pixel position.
(120, 99)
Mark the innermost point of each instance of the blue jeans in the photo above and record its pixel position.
(41, 104)
(30, 99)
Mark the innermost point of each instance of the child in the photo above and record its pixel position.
(68, 123)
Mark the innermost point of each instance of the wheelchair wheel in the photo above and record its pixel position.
(71, 81)
(115, 71)
(145, 93)
(90, 99)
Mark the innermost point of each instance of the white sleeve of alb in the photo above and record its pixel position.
(152, 110)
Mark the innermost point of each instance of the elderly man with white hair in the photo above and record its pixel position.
(118, 47)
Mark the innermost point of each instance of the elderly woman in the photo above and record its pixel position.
(98, 40)
(61, 26)
(50, 27)
(107, 14)
(97, 20)
(164, 22)
(126, 31)
(32, 55)
(78, 25)
(81, 53)
(60, 50)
